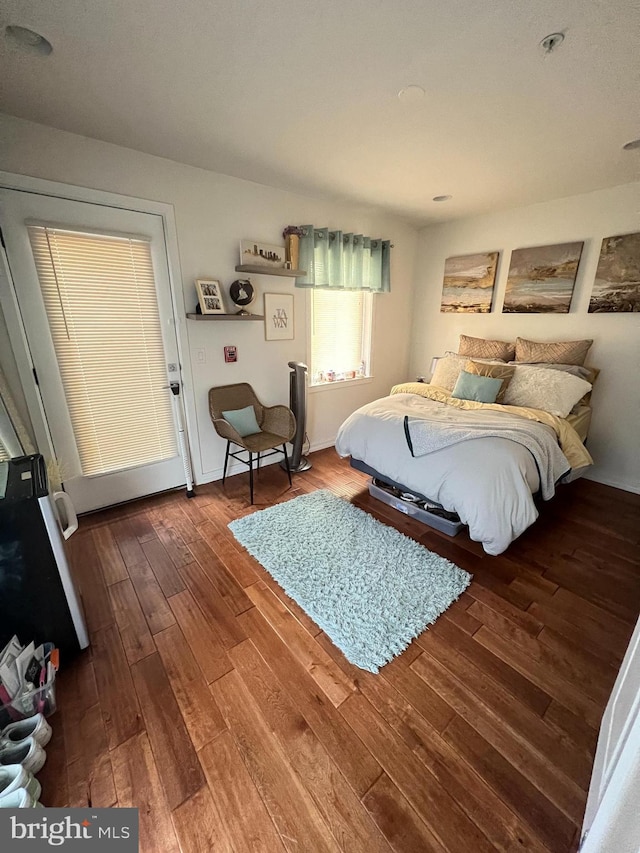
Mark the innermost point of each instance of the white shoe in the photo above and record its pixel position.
(36, 727)
(14, 776)
(28, 752)
(19, 799)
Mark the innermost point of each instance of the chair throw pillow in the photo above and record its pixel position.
(242, 420)
(482, 389)
(504, 372)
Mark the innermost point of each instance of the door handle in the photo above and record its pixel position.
(70, 512)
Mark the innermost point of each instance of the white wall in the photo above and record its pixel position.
(614, 439)
(213, 213)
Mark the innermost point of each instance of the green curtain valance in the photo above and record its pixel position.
(338, 261)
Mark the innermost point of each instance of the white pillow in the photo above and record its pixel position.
(448, 369)
(553, 391)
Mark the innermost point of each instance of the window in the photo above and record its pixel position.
(100, 298)
(340, 335)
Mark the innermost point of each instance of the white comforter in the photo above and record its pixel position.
(489, 482)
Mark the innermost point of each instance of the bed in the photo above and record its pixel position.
(487, 462)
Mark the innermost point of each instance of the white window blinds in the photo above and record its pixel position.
(340, 334)
(100, 298)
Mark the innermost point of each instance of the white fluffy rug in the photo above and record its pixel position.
(369, 587)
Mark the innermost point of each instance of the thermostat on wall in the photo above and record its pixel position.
(230, 354)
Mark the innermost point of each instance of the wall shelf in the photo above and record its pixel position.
(225, 316)
(258, 270)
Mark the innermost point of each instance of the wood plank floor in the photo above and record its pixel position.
(213, 703)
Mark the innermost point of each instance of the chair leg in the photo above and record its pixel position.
(226, 460)
(286, 462)
(258, 463)
(251, 476)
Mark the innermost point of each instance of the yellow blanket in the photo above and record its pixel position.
(577, 454)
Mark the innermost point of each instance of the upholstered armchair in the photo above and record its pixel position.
(277, 425)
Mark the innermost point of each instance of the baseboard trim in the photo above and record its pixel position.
(238, 468)
(615, 484)
(234, 467)
(322, 445)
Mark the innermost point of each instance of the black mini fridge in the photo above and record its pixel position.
(38, 599)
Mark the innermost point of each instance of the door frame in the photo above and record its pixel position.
(13, 316)
(611, 820)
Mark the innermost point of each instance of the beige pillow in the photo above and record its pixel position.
(558, 352)
(447, 371)
(482, 348)
(495, 371)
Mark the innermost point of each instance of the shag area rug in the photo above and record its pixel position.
(369, 587)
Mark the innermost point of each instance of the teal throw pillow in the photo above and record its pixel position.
(244, 420)
(482, 389)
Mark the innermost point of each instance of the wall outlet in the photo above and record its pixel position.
(201, 355)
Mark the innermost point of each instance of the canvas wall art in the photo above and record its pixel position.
(257, 254)
(468, 283)
(541, 279)
(617, 284)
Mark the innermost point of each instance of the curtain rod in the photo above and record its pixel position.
(332, 236)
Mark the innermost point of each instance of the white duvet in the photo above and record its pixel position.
(489, 482)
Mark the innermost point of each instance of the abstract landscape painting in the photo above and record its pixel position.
(468, 283)
(541, 279)
(617, 284)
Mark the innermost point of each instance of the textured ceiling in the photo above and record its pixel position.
(303, 95)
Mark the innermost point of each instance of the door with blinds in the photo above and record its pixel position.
(93, 290)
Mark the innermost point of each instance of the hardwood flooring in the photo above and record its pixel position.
(214, 704)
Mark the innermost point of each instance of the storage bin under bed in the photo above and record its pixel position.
(423, 514)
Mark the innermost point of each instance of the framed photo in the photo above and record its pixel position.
(262, 254)
(210, 296)
(278, 316)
